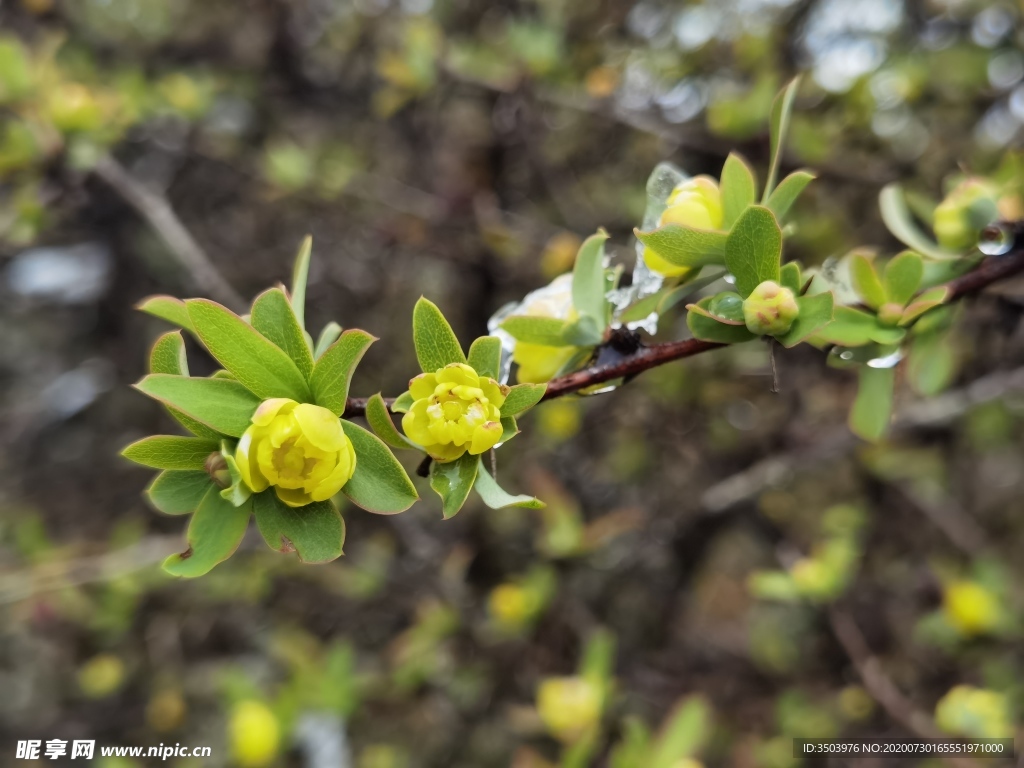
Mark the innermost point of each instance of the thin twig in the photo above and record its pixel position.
(158, 213)
(991, 270)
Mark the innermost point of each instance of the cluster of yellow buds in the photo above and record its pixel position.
(697, 203)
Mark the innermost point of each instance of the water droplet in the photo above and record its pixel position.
(888, 361)
(995, 240)
(846, 354)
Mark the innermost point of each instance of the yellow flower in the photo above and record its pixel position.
(454, 410)
(569, 706)
(510, 605)
(977, 713)
(971, 608)
(539, 363)
(298, 448)
(253, 734)
(694, 203)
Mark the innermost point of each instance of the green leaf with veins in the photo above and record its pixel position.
(177, 491)
(588, 280)
(272, 315)
(738, 188)
(380, 484)
(816, 312)
(685, 246)
(435, 341)
(496, 498)
(214, 533)
(171, 452)
(753, 250)
(485, 356)
(452, 481)
(316, 532)
(332, 373)
(902, 277)
(223, 405)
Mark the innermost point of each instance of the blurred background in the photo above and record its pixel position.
(719, 568)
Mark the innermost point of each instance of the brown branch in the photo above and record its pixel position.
(157, 212)
(991, 270)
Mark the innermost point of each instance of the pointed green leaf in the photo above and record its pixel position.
(783, 196)
(739, 189)
(704, 326)
(316, 531)
(665, 299)
(872, 410)
(256, 362)
(167, 308)
(168, 356)
(178, 492)
(273, 316)
(855, 328)
(435, 341)
(509, 428)
(685, 731)
(380, 484)
(522, 397)
(583, 332)
(485, 356)
(931, 364)
(379, 419)
(402, 403)
(685, 246)
(171, 452)
(927, 301)
(452, 481)
(778, 126)
(214, 533)
(902, 277)
(496, 498)
(239, 492)
(588, 283)
(332, 373)
(221, 404)
(900, 222)
(327, 336)
(753, 250)
(300, 276)
(546, 331)
(815, 313)
(790, 277)
(866, 281)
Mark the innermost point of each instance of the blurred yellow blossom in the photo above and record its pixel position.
(253, 734)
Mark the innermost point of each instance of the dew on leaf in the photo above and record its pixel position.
(995, 240)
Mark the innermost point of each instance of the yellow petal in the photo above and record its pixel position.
(293, 497)
(416, 424)
(494, 392)
(458, 373)
(269, 409)
(485, 437)
(444, 452)
(246, 460)
(336, 480)
(321, 427)
(423, 386)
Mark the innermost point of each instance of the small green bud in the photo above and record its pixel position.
(967, 209)
(770, 309)
(217, 468)
(890, 314)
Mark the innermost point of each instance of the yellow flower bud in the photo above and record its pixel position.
(72, 107)
(974, 712)
(971, 608)
(253, 734)
(569, 706)
(695, 203)
(298, 448)
(954, 224)
(539, 363)
(770, 309)
(510, 605)
(101, 676)
(454, 410)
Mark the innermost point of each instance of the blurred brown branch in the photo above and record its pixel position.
(991, 270)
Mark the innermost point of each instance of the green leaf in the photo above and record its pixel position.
(256, 362)
(332, 373)
(683, 734)
(485, 356)
(327, 336)
(315, 532)
(238, 492)
(402, 403)
(221, 404)
(168, 356)
(588, 284)
(167, 308)
(435, 341)
(753, 250)
(685, 246)
(927, 301)
(866, 281)
(300, 276)
(171, 452)
(815, 313)
(496, 498)
(452, 481)
(380, 484)
(583, 332)
(902, 277)
(790, 188)
(900, 222)
(739, 189)
(778, 126)
(789, 277)
(522, 397)
(872, 410)
(547, 331)
(274, 317)
(379, 419)
(704, 326)
(665, 299)
(931, 363)
(509, 428)
(214, 533)
(855, 328)
(178, 492)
